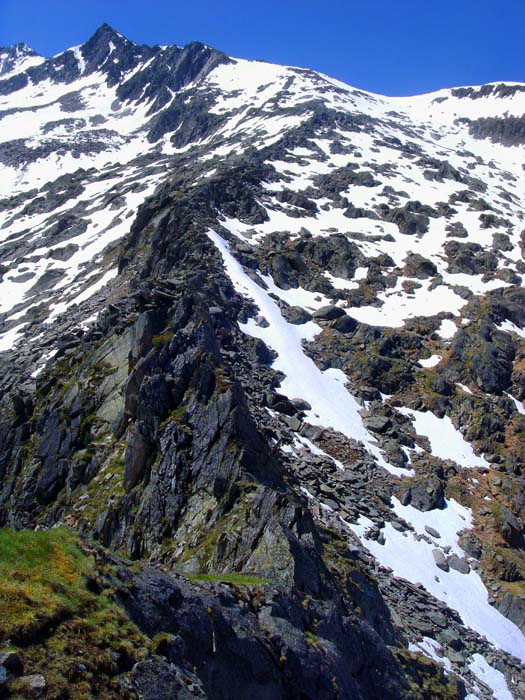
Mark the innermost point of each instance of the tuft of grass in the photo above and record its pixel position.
(426, 678)
(162, 339)
(234, 579)
(106, 487)
(41, 579)
(313, 640)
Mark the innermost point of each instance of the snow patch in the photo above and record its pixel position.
(464, 388)
(519, 405)
(447, 329)
(491, 677)
(445, 441)
(409, 556)
(510, 327)
(429, 647)
(431, 361)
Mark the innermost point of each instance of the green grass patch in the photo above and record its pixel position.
(41, 579)
(106, 487)
(162, 339)
(235, 579)
(313, 640)
(56, 621)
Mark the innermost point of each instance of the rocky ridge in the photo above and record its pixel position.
(265, 325)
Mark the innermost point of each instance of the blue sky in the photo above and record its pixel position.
(395, 48)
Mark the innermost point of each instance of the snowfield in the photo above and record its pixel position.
(411, 558)
(445, 441)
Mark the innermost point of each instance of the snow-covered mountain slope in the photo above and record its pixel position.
(16, 59)
(376, 249)
(402, 176)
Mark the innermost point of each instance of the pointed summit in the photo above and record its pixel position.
(105, 27)
(111, 52)
(106, 32)
(104, 40)
(17, 58)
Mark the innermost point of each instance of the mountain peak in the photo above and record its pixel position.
(105, 39)
(16, 57)
(19, 50)
(106, 31)
(111, 51)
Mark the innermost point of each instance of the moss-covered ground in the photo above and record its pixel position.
(57, 615)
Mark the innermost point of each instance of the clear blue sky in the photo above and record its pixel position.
(402, 47)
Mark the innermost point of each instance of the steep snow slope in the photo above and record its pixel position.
(415, 204)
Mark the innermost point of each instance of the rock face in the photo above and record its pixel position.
(268, 650)
(298, 416)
